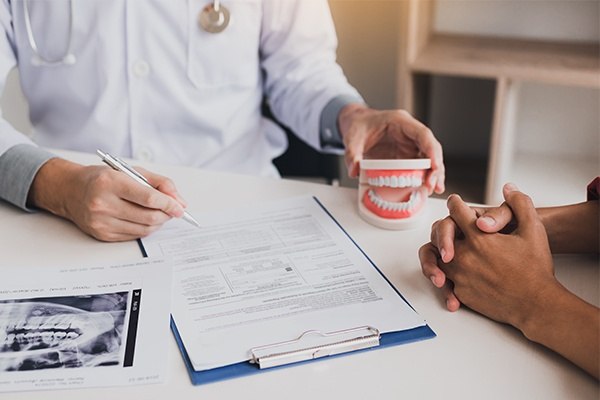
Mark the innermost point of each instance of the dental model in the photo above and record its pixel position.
(391, 193)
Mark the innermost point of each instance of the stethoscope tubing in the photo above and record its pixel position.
(68, 58)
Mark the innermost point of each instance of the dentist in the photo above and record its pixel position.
(178, 82)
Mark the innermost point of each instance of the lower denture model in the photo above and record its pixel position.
(391, 194)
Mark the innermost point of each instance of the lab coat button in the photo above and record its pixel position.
(141, 69)
(145, 154)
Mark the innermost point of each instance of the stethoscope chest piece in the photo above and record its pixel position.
(214, 18)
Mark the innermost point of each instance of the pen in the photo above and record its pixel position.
(119, 165)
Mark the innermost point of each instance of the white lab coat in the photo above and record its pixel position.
(150, 84)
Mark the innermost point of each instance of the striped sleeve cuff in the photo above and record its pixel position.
(18, 167)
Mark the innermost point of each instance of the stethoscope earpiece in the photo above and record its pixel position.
(214, 18)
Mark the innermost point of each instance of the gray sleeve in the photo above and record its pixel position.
(18, 167)
(331, 139)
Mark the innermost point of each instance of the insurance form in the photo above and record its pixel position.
(266, 274)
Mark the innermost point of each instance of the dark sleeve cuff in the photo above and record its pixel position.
(593, 189)
(330, 136)
(18, 167)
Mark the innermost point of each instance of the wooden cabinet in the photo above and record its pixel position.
(510, 63)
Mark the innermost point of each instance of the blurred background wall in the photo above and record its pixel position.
(550, 119)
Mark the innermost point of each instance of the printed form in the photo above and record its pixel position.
(262, 275)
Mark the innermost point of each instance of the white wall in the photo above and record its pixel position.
(577, 20)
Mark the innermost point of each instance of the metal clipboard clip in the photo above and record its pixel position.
(319, 344)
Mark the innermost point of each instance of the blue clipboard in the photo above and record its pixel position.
(246, 368)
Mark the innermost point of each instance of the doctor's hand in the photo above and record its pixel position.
(443, 234)
(392, 134)
(104, 203)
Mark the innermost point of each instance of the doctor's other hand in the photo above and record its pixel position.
(104, 203)
(390, 134)
(444, 232)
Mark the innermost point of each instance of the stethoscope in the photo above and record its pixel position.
(213, 18)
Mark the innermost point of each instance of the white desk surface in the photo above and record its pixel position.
(471, 358)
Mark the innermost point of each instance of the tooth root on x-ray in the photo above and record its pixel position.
(37, 335)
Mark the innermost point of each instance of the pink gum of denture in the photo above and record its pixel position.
(391, 193)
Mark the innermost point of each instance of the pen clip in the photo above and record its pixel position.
(117, 164)
(109, 160)
(130, 169)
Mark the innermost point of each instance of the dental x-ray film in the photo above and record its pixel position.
(79, 327)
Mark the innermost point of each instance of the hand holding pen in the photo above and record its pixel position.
(119, 165)
(104, 203)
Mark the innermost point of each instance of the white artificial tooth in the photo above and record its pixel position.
(380, 181)
(394, 181)
(386, 181)
(402, 181)
(419, 181)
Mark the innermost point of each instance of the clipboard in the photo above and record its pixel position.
(248, 368)
(295, 351)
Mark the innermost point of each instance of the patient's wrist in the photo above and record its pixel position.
(538, 312)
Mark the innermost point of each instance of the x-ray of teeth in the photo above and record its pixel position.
(62, 332)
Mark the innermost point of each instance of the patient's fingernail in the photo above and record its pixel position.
(432, 277)
(489, 221)
(443, 254)
(511, 187)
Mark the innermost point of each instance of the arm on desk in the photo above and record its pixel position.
(104, 203)
(570, 229)
(509, 277)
